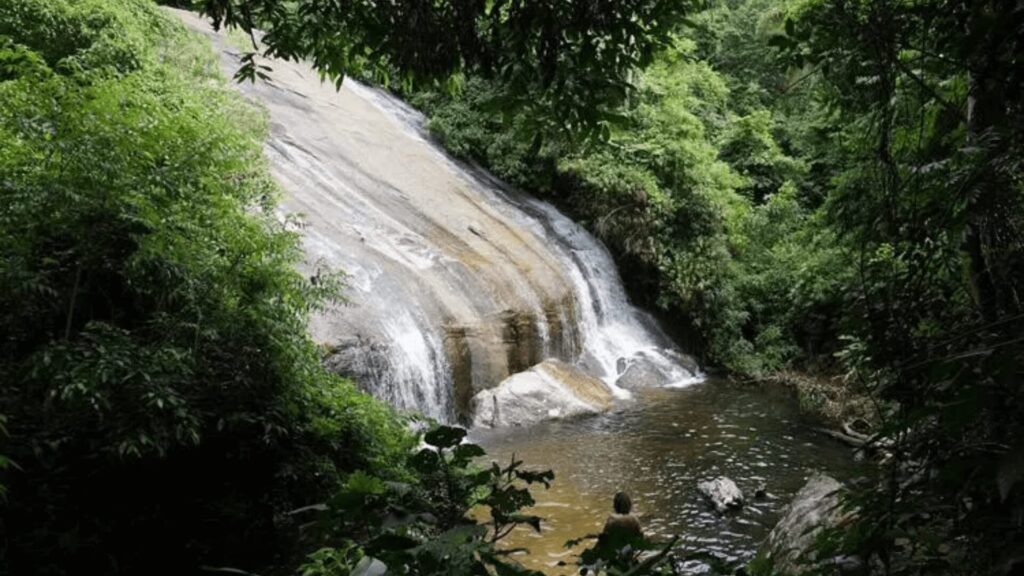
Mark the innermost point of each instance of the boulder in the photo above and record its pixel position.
(363, 360)
(789, 548)
(722, 493)
(655, 368)
(639, 374)
(549, 390)
(590, 364)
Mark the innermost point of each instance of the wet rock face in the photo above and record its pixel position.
(365, 360)
(655, 368)
(455, 281)
(521, 339)
(723, 494)
(563, 337)
(639, 374)
(549, 390)
(790, 545)
(460, 357)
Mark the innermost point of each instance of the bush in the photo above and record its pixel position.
(164, 403)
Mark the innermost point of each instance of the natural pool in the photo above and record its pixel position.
(657, 449)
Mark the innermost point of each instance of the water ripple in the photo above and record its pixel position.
(658, 449)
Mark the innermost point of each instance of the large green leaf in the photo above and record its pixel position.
(444, 437)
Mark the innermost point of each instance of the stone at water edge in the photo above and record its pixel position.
(723, 493)
(634, 374)
(654, 368)
(789, 548)
(549, 390)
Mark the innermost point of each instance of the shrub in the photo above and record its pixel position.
(164, 403)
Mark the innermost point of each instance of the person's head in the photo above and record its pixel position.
(622, 503)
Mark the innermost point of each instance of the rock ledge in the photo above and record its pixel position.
(552, 389)
(790, 546)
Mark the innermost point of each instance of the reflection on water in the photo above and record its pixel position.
(657, 449)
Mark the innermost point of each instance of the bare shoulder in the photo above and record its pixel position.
(626, 522)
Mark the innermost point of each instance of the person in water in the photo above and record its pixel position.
(622, 526)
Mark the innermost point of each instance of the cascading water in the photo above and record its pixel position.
(455, 281)
(611, 328)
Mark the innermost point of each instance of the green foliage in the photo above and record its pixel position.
(927, 198)
(338, 561)
(749, 146)
(792, 279)
(619, 554)
(733, 38)
(452, 517)
(832, 185)
(573, 58)
(704, 209)
(157, 374)
(760, 565)
(616, 553)
(819, 184)
(424, 527)
(81, 36)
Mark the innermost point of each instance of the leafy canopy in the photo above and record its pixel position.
(570, 61)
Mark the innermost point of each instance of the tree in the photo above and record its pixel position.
(426, 527)
(572, 60)
(162, 404)
(929, 204)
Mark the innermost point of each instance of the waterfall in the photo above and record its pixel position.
(455, 281)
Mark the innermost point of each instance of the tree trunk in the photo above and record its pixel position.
(986, 112)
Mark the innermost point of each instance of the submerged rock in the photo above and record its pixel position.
(551, 389)
(789, 548)
(722, 493)
(761, 491)
(655, 368)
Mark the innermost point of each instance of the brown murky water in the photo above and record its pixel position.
(657, 449)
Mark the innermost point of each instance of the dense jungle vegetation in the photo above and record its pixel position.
(162, 401)
(835, 188)
(823, 187)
